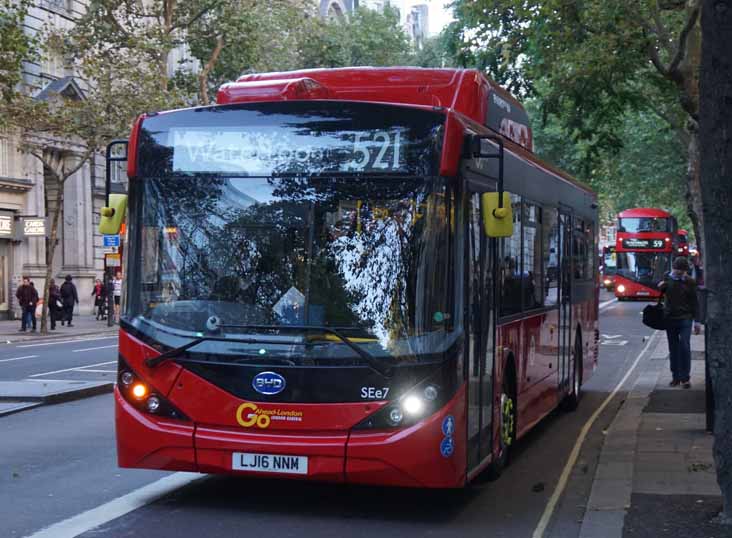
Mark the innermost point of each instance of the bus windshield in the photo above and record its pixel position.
(370, 256)
(644, 224)
(645, 268)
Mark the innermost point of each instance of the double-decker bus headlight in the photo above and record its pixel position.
(621, 289)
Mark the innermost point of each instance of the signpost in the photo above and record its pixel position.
(110, 241)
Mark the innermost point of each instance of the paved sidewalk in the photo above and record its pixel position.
(656, 476)
(83, 325)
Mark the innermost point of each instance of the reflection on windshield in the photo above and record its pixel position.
(643, 267)
(643, 224)
(371, 255)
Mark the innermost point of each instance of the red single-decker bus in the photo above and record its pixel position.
(352, 275)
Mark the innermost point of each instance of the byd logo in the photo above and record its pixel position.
(268, 383)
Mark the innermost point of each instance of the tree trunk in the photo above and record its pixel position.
(51, 249)
(715, 145)
(693, 188)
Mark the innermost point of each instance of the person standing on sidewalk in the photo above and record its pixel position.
(680, 310)
(35, 305)
(55, 304)
(70, 298)
(99, 294)
(117, 292)
(27, 302)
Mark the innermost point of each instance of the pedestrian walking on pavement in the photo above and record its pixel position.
(69, 297)
(35, 305)
(27, 299)
(117, 292)
(99, 294)
(55, 304)
(680, 310)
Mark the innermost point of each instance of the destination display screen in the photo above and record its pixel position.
(270, 139)
(636, 243)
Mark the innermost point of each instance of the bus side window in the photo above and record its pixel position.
(532, 275)
(550, 234)
(510, 269)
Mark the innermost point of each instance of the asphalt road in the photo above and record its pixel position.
(84, 358)
(59, 461)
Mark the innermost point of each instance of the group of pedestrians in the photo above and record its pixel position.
(62, 300)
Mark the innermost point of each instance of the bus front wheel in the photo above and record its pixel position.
(507, 424)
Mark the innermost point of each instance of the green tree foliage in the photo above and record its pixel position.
(16, 46)
(367, 37)
(603, 74)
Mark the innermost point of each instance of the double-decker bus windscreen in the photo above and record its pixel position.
(610, 263)
(300, 214)
(645, 268)
(645, 224)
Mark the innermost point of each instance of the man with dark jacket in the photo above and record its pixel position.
(27, 299)
(69, 298)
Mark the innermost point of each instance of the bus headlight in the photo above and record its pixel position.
(621, 288)
(140, 395)
(395, 416)
(413, 405)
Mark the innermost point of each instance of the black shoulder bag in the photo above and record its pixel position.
(654, 316)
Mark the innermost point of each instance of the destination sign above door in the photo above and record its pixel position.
(636, 243)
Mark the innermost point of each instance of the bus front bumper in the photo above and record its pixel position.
(409, 457)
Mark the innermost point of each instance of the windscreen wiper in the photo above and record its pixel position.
(375, 364)
(177, 351)
(378, 366)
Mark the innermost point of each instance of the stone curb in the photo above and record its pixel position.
(14, 339)
(62, 396)
(612, 485)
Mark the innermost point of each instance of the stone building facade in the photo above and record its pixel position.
(23, 186)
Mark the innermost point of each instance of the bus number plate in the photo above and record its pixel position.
(269, 463)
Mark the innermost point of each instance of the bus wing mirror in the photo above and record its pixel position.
(113, 215)
(497, 217)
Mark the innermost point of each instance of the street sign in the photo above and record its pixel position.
(32, 227)
(113, 260)
(111, 240)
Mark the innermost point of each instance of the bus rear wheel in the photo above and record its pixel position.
(506, 427)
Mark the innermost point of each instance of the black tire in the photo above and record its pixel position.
(506, 437)
(572, 400)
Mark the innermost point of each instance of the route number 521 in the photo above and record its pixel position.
(379, 150)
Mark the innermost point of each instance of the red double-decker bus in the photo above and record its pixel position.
(682, 242)
(644, 248)
(352, 275)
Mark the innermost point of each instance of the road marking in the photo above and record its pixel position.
(611, 336)
(75, 368)
(614, 343)
(19, 358)
(92, 348)
(607, 303)
(118, 507)
(564, 477)
(75, 341)
(98, 371)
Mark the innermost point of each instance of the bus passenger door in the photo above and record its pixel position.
(565, 299)
(480, 337)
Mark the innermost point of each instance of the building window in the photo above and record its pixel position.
(4, 156)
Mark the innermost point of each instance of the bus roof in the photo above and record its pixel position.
(643, 212)
(465, 91)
